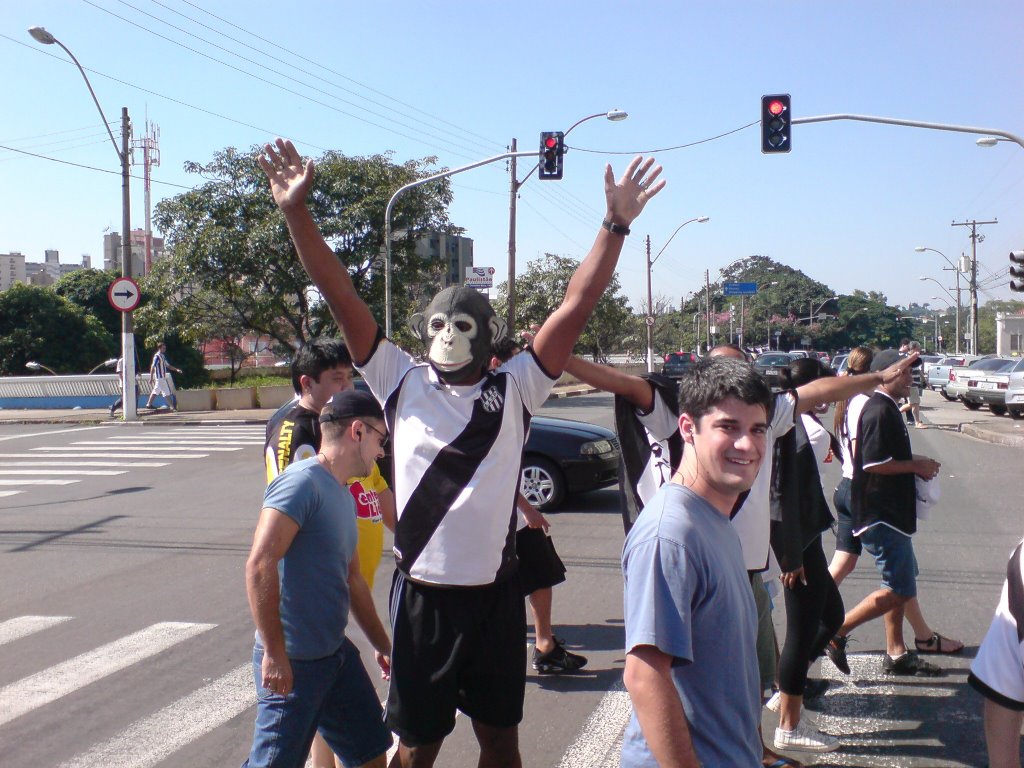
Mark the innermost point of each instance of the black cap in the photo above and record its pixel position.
(351, 404)
(888, 357)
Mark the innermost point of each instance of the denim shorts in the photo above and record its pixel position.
(845, 540)
(894, 558)
(334, 692)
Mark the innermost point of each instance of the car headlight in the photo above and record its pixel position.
(596, 448)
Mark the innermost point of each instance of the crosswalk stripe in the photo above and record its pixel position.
(47, 434)
(22, 626)
(122, 441)
(150, 740)
(106, 455)
(47, 686)
(63, 471)
(84, 463)
(10, 493)
(102, 448)
(600, 741)
(38, 482)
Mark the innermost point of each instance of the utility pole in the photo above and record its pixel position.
(707, 306)
(150, 146)
(974, 224)
(512, 197)
(649, 320)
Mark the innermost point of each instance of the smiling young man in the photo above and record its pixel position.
(691, 667)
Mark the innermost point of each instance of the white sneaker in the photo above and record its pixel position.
(805, 738)
(775, 702)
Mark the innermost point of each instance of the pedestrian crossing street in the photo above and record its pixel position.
(116, 451)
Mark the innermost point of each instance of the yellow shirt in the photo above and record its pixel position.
(369, 520)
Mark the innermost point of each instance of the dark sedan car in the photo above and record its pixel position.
(770, 366)
(566, 457)
(676, 363)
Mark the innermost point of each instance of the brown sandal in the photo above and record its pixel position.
(938, 644)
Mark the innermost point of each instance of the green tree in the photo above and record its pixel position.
(227, 239)
(88, 289)
(540, 291)
(37, 324)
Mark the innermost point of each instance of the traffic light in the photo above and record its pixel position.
(776, 121)
(552, 147)
(1016, 273)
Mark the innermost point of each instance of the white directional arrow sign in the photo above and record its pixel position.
(123, 294)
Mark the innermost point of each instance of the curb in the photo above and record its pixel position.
(1015, 441)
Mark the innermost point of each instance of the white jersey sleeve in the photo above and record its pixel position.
(384, 370)
(998, 669)
(533, 382)
(784, 413)
(660, 422)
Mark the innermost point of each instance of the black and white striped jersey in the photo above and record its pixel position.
(997, 672)
(457, 457)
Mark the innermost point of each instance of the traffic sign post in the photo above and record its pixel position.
(124, 294)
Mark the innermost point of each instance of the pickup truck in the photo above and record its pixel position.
(938, 373)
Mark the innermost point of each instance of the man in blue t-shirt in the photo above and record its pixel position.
(691, 625)
(303, 580)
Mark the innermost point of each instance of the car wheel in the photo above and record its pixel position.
(542, 483)
(998, 410)
(972, 406)
(1017, 413)
(948, 397)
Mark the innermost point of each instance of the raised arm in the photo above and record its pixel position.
(290, 182)
(835, 388)
(625, 199)
(608, 379)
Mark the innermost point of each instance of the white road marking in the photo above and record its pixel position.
(10, 493)
(25, 695)
(38, 482)
(106, 455)
(102, 448)
(22, 626)
(150, 740)
(169, 441)
(84, 463)
(63, 471)
(600, 741)
(47, 434)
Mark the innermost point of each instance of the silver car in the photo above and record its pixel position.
(990, 386)
(959, 377)
(1015, 393)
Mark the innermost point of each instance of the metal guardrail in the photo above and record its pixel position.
(96, 390)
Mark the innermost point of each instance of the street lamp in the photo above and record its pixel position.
(105, 364)
(956, 271)
(650, 301)
(39, 34)
(614, 115)
(32, 365)
(810, 317)
(932, 279)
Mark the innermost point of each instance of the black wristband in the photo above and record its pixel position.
(615, 229)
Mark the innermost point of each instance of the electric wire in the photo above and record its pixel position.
(665, 149)
(486, 144)
(93, 168)
(55, 133)
(284, 88)
(104, 140)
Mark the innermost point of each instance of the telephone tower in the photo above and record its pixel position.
(150, 146)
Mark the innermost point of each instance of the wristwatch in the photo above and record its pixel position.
(615, 229)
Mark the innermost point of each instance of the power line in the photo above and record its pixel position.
(89, 167)
(60, 149)
(490, 142)
(278, 85)
(55, 133)
(666, 149)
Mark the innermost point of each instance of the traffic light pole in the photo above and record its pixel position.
(912, 124)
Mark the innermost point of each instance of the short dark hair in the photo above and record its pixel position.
(504, 348)
(315, 357)
(713, 379)
(804, 370)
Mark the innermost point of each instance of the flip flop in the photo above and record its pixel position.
(938, 644)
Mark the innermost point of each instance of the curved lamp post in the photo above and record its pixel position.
(40, 35)
(650, 309)
(105, 364)
(956, 271)
(615, 115)
(32, 365)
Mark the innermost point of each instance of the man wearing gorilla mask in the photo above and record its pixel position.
(457, 610)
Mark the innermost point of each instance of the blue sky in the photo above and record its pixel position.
(458, 80)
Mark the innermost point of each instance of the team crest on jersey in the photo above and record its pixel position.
(492, 399)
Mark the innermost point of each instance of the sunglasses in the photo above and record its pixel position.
(383, 435)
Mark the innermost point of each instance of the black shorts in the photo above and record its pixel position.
(540, 567)
(455, 648)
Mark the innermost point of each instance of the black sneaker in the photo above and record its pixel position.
(558, 660)
(836, 652)
(909, 664)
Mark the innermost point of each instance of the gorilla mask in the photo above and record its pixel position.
(458, 327)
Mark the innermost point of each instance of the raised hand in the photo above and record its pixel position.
(627, 197)
(290, 179)
(897, 370)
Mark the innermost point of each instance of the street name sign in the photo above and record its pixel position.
(124, 294)
(739, 289)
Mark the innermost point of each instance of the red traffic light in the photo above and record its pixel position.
(776, 107)
(550, 142)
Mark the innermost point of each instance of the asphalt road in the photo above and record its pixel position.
(125, 635)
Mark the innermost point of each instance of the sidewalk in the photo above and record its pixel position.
(939, 413)
(182, 418)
